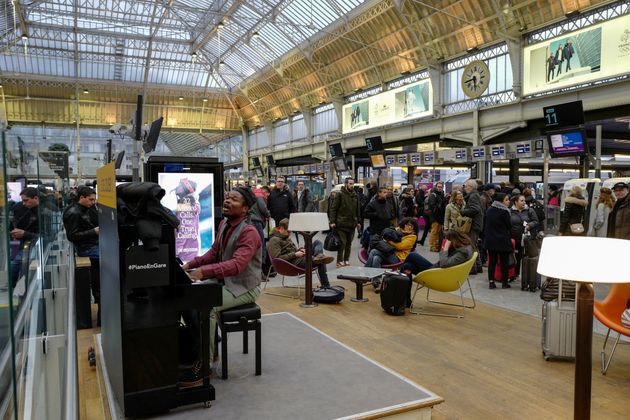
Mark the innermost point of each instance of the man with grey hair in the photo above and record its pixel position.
(474, 210)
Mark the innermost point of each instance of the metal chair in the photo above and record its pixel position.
(285, 268)
(608, 312)
(446, 279)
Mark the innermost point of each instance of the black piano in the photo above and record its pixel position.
(140, 316)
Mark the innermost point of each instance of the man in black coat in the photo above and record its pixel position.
(380, 212)
(280, 203)
(80, 220)
(436, 205)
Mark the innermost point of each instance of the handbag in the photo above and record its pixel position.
(511, 259)
(332, 241)
(577, 228)
(464, 224)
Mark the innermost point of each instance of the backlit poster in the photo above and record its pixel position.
(189, 197)
(592, 53)
(13, 191)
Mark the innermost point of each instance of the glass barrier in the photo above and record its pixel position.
(40, 288)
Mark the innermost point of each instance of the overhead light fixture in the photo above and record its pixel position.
(24, 37)
(193, 56)
(222, 63)
(181, 98)
(255, 35)
(205, 99)
(357, 90)
(1, 86)
(572, 13)
(472, 50)
(404, 73)
(220, 25)
(86, 91)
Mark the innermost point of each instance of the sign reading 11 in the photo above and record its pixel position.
(551, 117)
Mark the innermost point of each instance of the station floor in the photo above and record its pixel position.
(487, 365)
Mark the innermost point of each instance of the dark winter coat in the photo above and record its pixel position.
(281, 246)
(305, 203)
(619, 219)
(437, 206)
(574, 208)
(496, 234)
(407, 205)
(80, 223)
(474, 210)
(380, 214)
(345, 209)
(280, 204)
(517, 217)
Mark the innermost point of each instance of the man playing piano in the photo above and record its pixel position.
(234, 260)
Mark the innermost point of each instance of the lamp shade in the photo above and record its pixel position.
(308, 222)
(585, 259)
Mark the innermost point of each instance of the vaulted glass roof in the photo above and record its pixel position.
(201, 43)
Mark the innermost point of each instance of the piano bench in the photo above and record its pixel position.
(243, 318)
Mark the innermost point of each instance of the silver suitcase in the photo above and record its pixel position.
(559, 321)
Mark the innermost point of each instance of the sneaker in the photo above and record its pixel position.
(346, 263)
(340, 265)
(492, 285)
(322, 259)
(192, 377)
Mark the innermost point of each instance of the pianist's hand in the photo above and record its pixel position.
(196, 275)
(185, 267)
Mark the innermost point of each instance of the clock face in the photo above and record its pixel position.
(475, 79)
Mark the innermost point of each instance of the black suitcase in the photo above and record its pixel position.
(395, 291)
(530, 279)
(332, 294)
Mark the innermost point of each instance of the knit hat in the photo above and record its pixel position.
(247, 194)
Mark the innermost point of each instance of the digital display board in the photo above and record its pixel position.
(567, 143)
(416, 158)
(479, 153)
(335, 150)
(340, 164)
(255, 162)
(460, 155)
(378, 161)
(523, 148)
(595, 52)
(374, 144)
(564, 115)
(428, 158)
(400, 104)
(402, 159)
(391, 160)
(498, 151)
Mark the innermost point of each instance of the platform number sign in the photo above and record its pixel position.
(569, 114)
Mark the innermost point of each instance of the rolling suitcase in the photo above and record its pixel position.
(559, 322)
(395, 293)
(530, 279)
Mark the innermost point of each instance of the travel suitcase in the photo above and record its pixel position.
(395, 293)
(498, 276)
(530, 279)
(559, 324)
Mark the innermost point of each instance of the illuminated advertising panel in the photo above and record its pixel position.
(596, 52)
(396, 105)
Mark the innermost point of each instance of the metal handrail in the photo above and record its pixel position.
(71, 406)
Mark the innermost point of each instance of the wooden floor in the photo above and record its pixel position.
(487, 365)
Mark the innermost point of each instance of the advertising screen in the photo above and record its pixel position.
(595, 52)
(568, 143)
(378, 161)
(395, 105)
(190, 197)
(340, 164)
(13, 191)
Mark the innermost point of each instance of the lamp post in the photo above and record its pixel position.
(585, 260)
(308, 224)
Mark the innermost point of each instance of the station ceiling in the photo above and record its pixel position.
(255, 60)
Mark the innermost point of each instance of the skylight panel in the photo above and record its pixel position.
(275, 39)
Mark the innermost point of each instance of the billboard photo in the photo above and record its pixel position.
(412, 101)
(592, 53)
(359, 114)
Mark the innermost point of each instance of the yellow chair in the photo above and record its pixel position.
(445, 280)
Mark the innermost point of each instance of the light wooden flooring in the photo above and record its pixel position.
(486, 366)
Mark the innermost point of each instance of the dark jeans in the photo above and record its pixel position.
(345, 237)
(376, 259)
(95, 275)
(518, 253)
(474, 241)
(415, 263)
(493, 258)
(318, 249)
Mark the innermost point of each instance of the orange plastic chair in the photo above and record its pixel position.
(608, 312)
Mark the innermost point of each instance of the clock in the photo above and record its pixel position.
(475, 79)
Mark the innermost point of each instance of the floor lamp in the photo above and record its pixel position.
(308, 224)
(585, 260)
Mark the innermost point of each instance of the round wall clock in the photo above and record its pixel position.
(475, 78)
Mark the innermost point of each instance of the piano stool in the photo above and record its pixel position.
(243, 318)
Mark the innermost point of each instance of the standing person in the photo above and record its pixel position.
(234, 260)
(559, 58)
(605, 204)
(554, 196)
(523, 219)
(380, 212)
(280, 202)
(574, 207)
(392, 198)
(551, 66)
(302, 199)
(435, 207)
(567, 53)
(421, 197)
(259, 214)
(619, 217)
(453, 211)
(25, 227)
(80, 220)
(497, 240)
(474, 210)
(486, 197)
(344, 218)
(362, 203)
(407, 203)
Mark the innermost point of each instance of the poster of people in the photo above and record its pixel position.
(592, 53)
(189, 196)
(402, 103)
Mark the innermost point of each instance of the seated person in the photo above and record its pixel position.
(281, 246)
(457, 249)
(403, 241)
